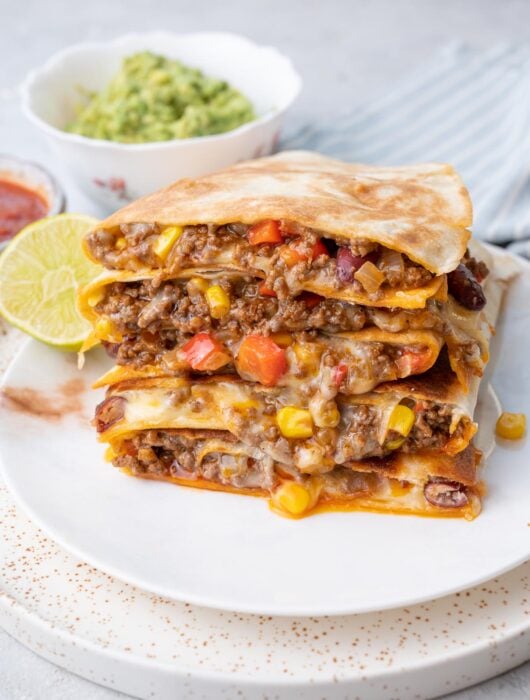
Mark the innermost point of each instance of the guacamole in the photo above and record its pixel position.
(153, 98)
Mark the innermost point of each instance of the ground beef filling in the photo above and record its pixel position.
(357, 436)
(360, 433)
(137, 253)
(204, 243)
(154, 318)
(150, 306)
(431, 429)
(169, 453)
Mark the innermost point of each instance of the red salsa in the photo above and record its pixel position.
(19, 206)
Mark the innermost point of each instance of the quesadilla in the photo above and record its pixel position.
(203, 321)
(170, 327)
(383, 237)
(299, 328)
(421, 483)
(405, 449)
(310, 432)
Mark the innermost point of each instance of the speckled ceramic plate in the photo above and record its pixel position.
(230, 552)
(151, 647)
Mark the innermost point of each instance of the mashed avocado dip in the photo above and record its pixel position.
(153, 98)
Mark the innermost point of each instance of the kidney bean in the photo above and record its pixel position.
(445, 494)
(111, 348)
(347, 264)
(465, 288)
(108, 412)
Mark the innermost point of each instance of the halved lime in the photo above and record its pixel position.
(40, 272)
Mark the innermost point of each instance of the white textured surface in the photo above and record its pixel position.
(346, 51)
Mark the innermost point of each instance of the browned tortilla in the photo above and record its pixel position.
(422, 211)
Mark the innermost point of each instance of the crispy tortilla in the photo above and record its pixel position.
(422, 211)
(229, 404)
(461, 327)
(394, 484)
(304, 359)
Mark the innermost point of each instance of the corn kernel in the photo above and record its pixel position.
(303, 352)
(109, 454)
(282, 339)
(292, 497)
(294, 422)
(307, 357)
(395, 444)
(511, 426)
(121, 243)
(218, 301)
(401, 420)
(105, 330)
(95, 297)
(198, 284)
(166, 240)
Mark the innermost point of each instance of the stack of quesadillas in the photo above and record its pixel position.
(300, 328)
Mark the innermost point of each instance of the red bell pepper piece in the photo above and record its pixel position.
(267, 231)
(204, 353)
(261, 359)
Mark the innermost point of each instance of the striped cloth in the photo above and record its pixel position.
(469, 108)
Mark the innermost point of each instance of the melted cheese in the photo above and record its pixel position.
(390, 297)
(240, 409)
(412, 502)
(391, 498)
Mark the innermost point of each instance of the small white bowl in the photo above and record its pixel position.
(114, 173)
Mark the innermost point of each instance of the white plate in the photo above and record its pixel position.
(231, 552)
(151, 647)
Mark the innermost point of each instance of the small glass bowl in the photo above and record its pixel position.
(36, 178)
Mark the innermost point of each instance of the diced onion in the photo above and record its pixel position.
(392, 261)
(309, 458)
(370, 277)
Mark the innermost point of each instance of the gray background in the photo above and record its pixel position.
(347, 52)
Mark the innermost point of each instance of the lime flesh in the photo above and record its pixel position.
(41, 271)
